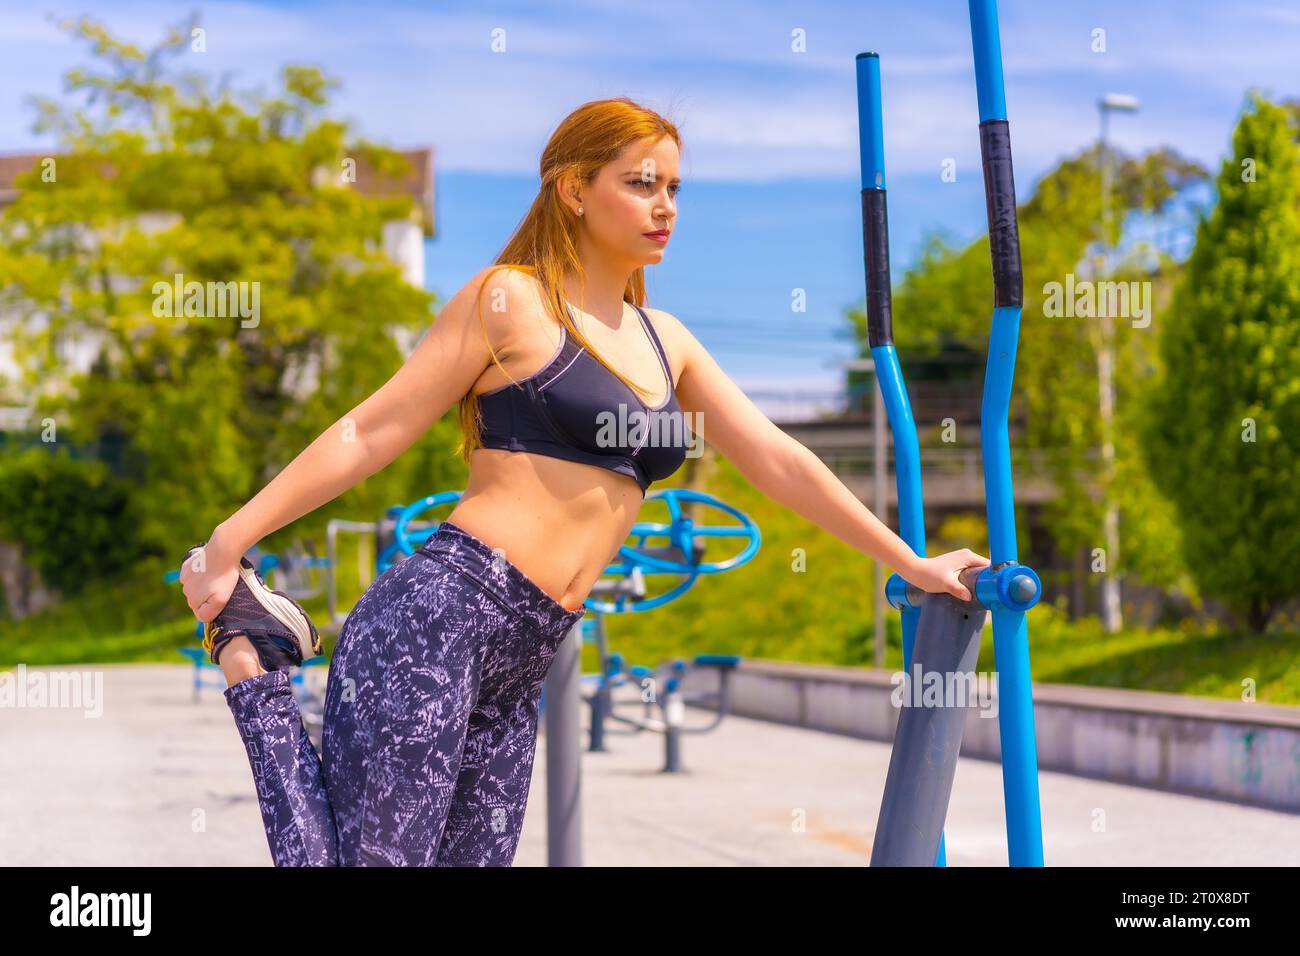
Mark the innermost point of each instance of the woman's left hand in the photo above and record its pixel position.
(938, 575)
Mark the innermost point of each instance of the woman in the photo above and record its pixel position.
(431, 705)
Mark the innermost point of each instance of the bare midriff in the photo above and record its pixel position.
(560, 522)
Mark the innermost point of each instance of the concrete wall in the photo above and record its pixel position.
(1226, 749)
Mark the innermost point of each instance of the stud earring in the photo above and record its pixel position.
(579, 210)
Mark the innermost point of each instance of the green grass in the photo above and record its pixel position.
(804, 597)
(137, 618)
(1206, 663)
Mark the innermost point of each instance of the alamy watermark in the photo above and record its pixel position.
(209, 300)
(75, 908)
(978, 689)
(1087, 299)
(73, 690)
(634, 428)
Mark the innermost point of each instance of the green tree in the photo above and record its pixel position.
(1223, 430)
(159, 173)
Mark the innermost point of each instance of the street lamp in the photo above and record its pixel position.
(1110, 103)
(1111, 609)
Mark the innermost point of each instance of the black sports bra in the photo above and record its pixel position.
(576, 410)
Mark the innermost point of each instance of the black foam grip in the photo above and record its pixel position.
(1000, 197)
(875, 244)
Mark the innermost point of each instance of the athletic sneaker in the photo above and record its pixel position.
(274, 623)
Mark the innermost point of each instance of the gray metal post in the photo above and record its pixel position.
(602, 701)
(674, 710)
(564, 753)
(928, 738)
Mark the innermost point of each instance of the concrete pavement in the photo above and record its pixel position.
(159, 780)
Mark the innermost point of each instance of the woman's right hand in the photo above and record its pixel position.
(208, 577)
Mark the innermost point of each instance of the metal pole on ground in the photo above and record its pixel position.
(564, 753)
(928, 738)
(1007, 587)
(947, 632)
(880, 334)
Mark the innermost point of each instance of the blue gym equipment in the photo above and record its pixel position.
(622, 589)
(941, 635)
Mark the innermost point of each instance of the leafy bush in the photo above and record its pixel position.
(71, 518)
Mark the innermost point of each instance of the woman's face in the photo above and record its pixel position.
(631, 198)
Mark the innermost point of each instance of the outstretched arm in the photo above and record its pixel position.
(791, 475)
(441, 369)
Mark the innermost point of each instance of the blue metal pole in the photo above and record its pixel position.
(889, 376)
(1010, 629)
(988, 59)
(871, 122)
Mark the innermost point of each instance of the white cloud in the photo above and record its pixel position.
(750, 108)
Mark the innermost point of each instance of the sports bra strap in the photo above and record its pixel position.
(659, 346)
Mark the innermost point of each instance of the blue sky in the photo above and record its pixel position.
(770, 166)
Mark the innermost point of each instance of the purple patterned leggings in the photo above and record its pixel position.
(430, 720)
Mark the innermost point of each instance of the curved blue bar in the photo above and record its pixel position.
(871, 137)
(1010, 629)
(988, 59)
(907, 452)
(1000, 369)
(1016, 730)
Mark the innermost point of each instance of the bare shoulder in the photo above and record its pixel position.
(503, 298)
(677, 339)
